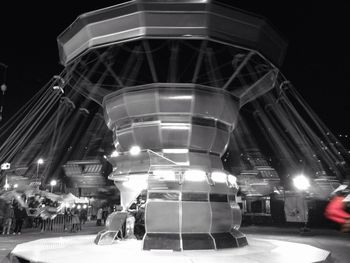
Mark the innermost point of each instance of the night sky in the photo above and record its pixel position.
(317, 60)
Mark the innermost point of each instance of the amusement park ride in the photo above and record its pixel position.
(172, 77)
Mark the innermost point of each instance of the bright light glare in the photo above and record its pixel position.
(181, 97)
(218, 177)
(40, 161)
(84, 206)
(136, 182)
(167, 175)
(79, 206)
(195, 175)
(135, 150)
(53, 182)
(301, 182)
(175, 126)
(15, 185)
(175, 150)
(114, 154)
(232, 181)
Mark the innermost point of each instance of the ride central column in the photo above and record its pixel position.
(183, 130)
(146, 62)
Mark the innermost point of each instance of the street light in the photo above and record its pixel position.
(6, 185)
(114, 154)
(3, 85)
(3, 88)
(301, 182)
(39, 161)
(135, 150)
(53, 183)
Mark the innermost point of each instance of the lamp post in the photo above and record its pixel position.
(302, 183)
(6, 185)
(3, 88)
(3, 84)
(40, 161)
(52, 184)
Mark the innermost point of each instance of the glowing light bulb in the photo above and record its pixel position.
(135, 150)
(301, 182)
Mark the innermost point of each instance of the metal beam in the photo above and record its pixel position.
(173, 61)
(108, 66)
(238, 70)
(199, 60)
(150, 60)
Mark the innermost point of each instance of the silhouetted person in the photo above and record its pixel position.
(75, 221)
(8, 219)
(99, 216)
(20, 215)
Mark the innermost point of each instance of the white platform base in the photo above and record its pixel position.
(83, 249)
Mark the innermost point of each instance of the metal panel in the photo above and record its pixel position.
(147, 137)
(201, 186)
(204, 141)
(126, 138)
(164, 196)
(115, 110)
(222, 217)
(196, 217)
(220, 188)
(220, 141)
(162, 217)
(172, 101)
(173, 137)
(209, 104)
(156, 184)
(166, 241)
(141, 102)
(197, 241)
(195, 197)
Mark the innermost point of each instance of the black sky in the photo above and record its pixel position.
(317, 60)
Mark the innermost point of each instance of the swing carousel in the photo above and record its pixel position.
(173, 81)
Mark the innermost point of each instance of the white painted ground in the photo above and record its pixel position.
(83, 249)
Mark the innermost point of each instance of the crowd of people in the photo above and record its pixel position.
(45, 214)
(40, 212)
(13, 217)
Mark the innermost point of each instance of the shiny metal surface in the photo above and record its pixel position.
(165, 116)
(169, 19)
(171, 77)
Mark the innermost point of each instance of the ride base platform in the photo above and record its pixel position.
(83, 249)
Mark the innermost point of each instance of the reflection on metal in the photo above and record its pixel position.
(257, 178)
(114, 227)
(171, 79)
(84, 174)
(163, 19)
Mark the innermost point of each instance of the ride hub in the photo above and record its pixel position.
(172, 77)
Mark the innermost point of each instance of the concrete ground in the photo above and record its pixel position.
(332, 240)
(336, 242)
